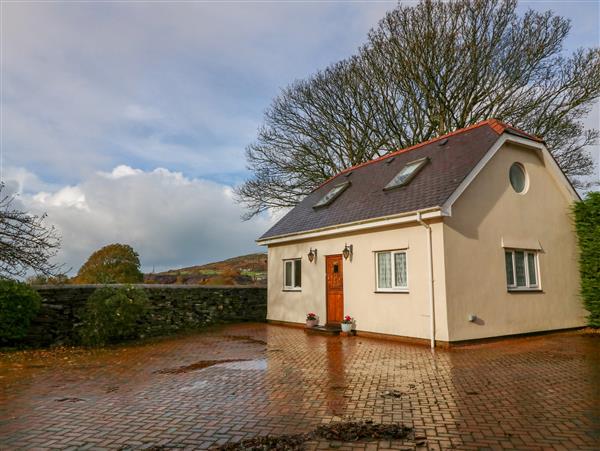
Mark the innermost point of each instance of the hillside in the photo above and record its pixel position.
(244, 270)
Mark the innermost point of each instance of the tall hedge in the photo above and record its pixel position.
(587, 224)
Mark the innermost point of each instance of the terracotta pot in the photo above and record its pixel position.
(346, 327)
(312, 322)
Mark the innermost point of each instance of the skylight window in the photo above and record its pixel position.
(407, 173)
(332, 195)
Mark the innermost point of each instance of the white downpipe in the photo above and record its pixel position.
(430, 265)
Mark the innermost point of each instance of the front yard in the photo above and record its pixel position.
(239, 381)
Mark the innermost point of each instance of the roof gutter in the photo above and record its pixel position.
(383, 221)
(430, 271)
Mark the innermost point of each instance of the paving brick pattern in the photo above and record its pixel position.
(535, 393)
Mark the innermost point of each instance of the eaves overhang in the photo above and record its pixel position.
(367, 224)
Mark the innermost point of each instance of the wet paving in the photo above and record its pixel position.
(239, 381)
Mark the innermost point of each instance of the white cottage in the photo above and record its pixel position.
(462, 237)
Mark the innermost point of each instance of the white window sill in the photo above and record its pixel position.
(524, 289)
(292, 289)
(404, 290)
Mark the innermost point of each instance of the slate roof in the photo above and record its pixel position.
(451, 159)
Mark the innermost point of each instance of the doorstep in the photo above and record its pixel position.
(323, 330)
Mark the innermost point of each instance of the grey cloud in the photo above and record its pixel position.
(81, 79)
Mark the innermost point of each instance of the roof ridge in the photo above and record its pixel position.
(495, 124)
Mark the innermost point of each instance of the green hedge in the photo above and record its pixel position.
(19, 304)
(114, 314)
(587, 224)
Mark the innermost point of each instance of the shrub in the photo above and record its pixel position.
(587, 224)
(114, 314)
(19, 304)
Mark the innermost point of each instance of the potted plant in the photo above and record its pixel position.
(347, 323)
(311, 320)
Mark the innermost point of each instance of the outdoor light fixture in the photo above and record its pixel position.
(312, 254)
(347, 252)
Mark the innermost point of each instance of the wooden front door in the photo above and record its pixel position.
(335, 289)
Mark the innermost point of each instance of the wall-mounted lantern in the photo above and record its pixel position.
(347, 252)
(312, 254)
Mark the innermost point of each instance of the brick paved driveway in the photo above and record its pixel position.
(535, 393)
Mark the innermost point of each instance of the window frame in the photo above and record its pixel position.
(293, 286)
(419, 164)
(528, 286)
(340, 187)
(394, 288)
(525, 178)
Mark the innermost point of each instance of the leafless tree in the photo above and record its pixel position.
(457, 63)
(426, 70)
(26, 243)
(313, 129)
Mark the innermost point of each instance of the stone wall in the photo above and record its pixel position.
(174, 308)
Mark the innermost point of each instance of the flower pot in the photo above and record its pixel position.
(346, 327)
(312, 322)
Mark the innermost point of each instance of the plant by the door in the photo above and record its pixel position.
(312, 319)
(347, 323)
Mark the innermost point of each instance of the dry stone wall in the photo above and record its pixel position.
(174, 308)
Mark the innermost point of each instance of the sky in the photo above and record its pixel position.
(127, 121)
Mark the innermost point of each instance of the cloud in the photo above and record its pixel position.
(69, 196)
(179, 85)
(170, 220)
(20, 178)
(121, 171)
(101, 94)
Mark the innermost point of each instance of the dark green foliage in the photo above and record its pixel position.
(19, 304)
(587, 223)
(114, 314)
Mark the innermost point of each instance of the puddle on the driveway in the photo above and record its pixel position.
(230, 364)
(197, 366)
(69, 399)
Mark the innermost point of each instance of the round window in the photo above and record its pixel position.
(518, 178)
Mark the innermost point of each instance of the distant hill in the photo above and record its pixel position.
(244, 270)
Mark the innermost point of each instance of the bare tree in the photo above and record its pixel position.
(426, 70)
(457, 63)
(25, 242)
(313, 129)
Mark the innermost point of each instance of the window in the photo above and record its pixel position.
(292, 274)
(391, 271)
(521, 269)
(407, 173)
(333, 194)
(518, 178)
